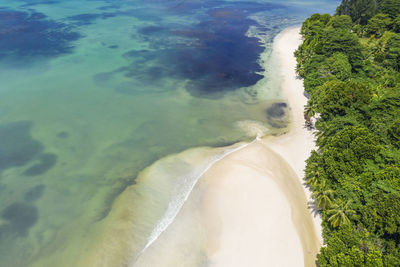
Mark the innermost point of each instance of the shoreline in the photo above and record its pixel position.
(255, 197)
(298, 136)
(248, 208)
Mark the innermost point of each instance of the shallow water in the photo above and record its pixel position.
(92, 92)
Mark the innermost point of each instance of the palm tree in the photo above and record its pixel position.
(312, 175)
(323, 197)
(309, 109)
(339, 214)
(312, 181)
(308, 114)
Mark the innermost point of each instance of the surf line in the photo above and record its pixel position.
(176, 204)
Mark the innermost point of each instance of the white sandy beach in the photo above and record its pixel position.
(256, 208)
(295, 146)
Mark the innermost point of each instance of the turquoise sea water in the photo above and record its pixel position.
(93, 92)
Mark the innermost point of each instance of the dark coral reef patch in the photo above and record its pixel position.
(30, 34)
(34, 193)
(17, 148)
(20, 217)
(277, 115)
(215, 55)
(45, 162)
(20, 149)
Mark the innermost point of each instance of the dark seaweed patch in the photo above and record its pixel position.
(34, 193)
(102, 77)
(17, 146)
(223, 143)
(25, 34)
(276, 110)
(141, 55)
(30, 3)
(276, 115)
(151, 29)
(87, 19)
(20, 218)
(214, 56)
(19, 149)
(63, 135)
(113, 46)
(191, 7)
(46, 162)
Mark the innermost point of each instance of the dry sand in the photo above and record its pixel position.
(248, 216)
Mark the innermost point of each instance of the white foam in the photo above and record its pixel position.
(182, 192)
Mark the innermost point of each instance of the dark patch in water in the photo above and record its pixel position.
(276, 110)
(192, 7)
(19, 149)
(30, 3)
(46, 162)
(87, 19)
(102, 77)
(38, 16)
(214, 56)
(138, 55)
(25, 35)
(224, 143)
(17, 146)
(277, 115)
(20, 218)
(63, 135)
(34, 193)
(113, 46)
(151, 29)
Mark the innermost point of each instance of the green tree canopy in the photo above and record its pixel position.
(341, 22)
(360, 11)
(336, 97)
(390, 7)
(339, 214)
(356, 140)
(394, 133)
(396, 24)
(378, 24)
(340, 66)
(342, 41)
(393, 52)
(354, 85)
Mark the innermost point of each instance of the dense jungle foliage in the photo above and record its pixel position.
(350, 63)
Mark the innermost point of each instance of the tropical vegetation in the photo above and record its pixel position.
(350, 64)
